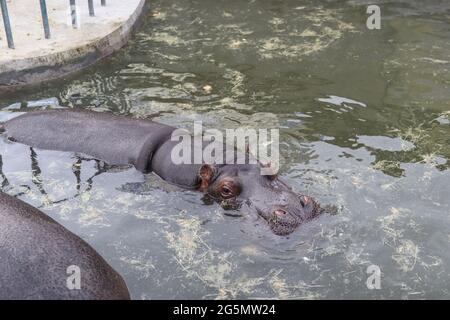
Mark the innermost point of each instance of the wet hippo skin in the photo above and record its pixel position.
(35, 252)
(115, 139)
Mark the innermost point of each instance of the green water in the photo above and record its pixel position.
(364, 119)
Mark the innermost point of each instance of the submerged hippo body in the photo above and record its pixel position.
(148, 146)
(36, 252)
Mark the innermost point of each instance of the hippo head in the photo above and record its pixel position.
(233, 185)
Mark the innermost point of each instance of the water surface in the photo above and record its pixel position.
(364, 119)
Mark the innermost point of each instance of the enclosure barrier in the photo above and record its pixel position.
(44, 13)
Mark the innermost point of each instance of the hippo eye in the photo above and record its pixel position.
(226, 192)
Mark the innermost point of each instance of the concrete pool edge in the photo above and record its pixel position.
(33, 70)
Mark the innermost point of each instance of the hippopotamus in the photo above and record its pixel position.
(147, 145)
(38, 257)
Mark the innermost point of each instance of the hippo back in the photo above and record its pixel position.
(115, 139)
(36, 252)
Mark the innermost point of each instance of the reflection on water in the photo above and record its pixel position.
(364, 118)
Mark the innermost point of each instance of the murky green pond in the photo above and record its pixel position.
(364, 118)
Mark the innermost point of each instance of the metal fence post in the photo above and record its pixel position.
(45, 19)
(73, 13)
(9, 36)
(91, 8)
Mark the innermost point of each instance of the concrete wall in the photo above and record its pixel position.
(36, 59)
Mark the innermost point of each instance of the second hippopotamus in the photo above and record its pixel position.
(40, 259)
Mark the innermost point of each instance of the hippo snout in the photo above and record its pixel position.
(283, 220)
(309, 207)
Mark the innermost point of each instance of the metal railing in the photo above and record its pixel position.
(45, 21)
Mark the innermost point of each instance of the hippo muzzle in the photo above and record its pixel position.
(285, 219)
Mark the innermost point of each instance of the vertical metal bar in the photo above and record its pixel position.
(91, 8)
(73, 13)
(103, 2)
(45, 19)
(7, 24)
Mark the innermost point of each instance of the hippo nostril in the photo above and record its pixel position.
(304, 201)
(280, 212)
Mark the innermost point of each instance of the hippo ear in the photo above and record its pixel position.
(268, 165)
(206, 174)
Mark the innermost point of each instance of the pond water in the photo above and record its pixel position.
(364, 119)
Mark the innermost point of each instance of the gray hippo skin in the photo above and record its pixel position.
(147, 145)
(35, 252)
